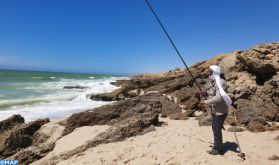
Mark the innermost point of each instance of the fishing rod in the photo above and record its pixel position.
(241, 155)
(171, 41)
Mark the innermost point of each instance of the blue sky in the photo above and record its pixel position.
(123, 37)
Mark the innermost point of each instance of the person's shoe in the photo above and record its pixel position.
(215, 152)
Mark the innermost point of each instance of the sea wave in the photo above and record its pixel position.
(51, 100)
(51, 110)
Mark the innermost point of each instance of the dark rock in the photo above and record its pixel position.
(27, 156)
(272, 127)
(253, 63)
(235, 129)
(277, 138)
(182, 95)
(75, 87)
(114, 83)
(110, 114)
(17, 138)
(172, 85)
(264, 105)
(260, 119)
(102, 97)
(130, 127)
(256, 127)
(116, 95)
(10, 123)
(274, 157)
(245, 111)
(169, 108)
(43, 142)
(244, 93)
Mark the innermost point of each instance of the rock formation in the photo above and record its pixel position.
(18, 137)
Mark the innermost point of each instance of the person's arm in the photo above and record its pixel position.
(217, 98)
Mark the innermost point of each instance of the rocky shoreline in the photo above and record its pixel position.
(253, 80)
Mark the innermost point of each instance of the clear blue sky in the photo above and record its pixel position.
(123, 37)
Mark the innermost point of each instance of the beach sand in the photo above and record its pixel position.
(176, 142)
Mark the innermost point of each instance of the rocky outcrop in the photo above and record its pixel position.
(43, 143)
(18, 138)
(118, 94)
(32, 154)
(252, 76)
(148, 105)
(75, 87)
(10, 123)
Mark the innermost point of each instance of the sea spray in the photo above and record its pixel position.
(40, 94)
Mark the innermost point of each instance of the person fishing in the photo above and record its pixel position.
(219, 101)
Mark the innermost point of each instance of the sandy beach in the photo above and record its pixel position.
(176, 142)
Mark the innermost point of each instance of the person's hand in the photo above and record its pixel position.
(202, 103)
(203, 92)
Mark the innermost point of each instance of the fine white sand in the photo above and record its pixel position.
(178, 142)
(73, 140)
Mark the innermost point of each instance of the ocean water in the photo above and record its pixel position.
(37, 95)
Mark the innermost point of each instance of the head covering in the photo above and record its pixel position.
(216, 76)
(216, 69)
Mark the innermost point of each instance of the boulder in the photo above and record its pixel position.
(10, 123)
(32, 154)
(169, 108)
(171, 85)
(259, 119)
(235, 129)
(274, 157)
(255, 61)
(19, 137)
(75, 87)
(257, 124)
(256, 127)
(245, 111)
(43, 142)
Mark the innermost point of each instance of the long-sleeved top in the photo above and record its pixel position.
(215, 100)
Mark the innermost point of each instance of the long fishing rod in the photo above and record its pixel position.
(242, 155)
(157, 18)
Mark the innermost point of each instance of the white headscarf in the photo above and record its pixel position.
(216, 76)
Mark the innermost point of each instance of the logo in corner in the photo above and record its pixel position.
(8, 162)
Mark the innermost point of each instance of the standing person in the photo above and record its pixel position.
(219, 102)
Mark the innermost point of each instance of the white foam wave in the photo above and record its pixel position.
(51, 110)
(57, 102)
